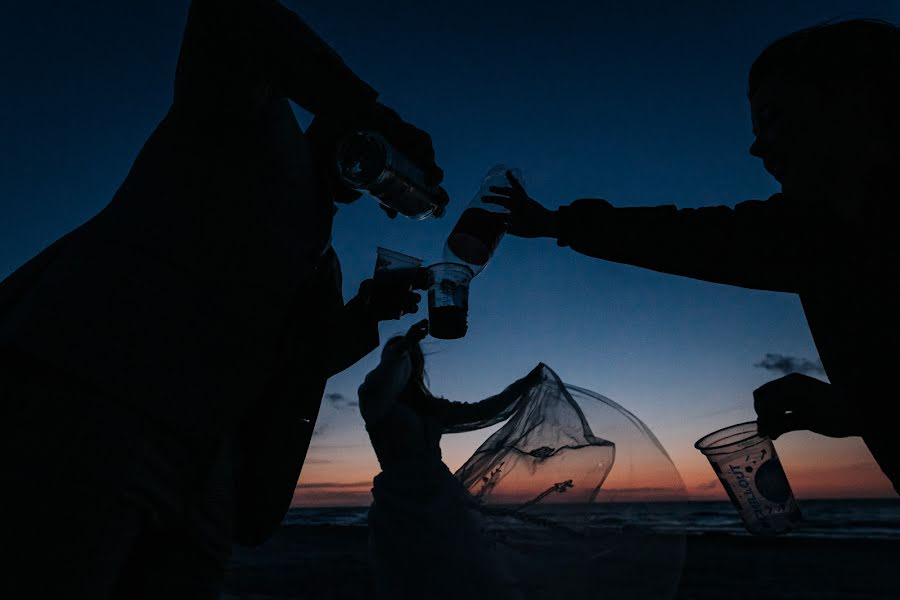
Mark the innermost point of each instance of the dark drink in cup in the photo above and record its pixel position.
(448, 300)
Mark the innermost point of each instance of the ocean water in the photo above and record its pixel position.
(843, 519)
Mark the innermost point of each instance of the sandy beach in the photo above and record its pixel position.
(330, 561)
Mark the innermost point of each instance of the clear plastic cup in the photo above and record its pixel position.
(751, 473)
(448, 300)
(397, 267)
(391, 260)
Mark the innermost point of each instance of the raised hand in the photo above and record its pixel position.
(799, 402)
(389, 299)
(241, 60)
(527, 217)
(417, 332)
(326, 132)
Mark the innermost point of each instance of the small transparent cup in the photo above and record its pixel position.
(391, 265)
(751, 473)
(448, 300)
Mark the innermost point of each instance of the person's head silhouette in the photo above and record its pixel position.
(824, 104)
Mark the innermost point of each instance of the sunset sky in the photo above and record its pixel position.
(639, 103)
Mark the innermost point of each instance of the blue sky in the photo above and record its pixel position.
(639, 103)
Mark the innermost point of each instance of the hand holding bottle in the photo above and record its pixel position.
(526, 217)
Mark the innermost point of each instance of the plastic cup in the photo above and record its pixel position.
(391, 260)
(448, 300)
(397, 267)
(751, 473)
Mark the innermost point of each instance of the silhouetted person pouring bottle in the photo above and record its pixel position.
(163, 364)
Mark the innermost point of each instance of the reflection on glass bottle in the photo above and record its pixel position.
(368, 162)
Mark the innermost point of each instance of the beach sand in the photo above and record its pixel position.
(331, 561)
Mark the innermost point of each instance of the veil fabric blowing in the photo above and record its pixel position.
(529, 515)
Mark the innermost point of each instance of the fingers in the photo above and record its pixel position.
(411, 141)
(390, 212)
(434, 176)
(773, 426)
(782, 406)
(515, 182)
(411, 303)
(418, 331)
(507, 203)
(506, 191)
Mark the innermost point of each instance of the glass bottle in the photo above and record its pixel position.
(368, 162)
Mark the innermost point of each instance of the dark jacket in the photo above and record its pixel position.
(845, 274)
(201, 297)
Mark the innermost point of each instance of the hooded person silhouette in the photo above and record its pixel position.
(824, 108)
(163, 364)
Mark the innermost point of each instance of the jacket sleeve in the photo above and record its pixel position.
(236, 50)
(354, 335)
(757, 244)
(885, 449)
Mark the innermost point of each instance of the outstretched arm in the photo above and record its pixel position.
(235, 53)
(756, 244)
(460, 416)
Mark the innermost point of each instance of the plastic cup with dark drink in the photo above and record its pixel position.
(448, 300)
(481, 225)
(751, 473)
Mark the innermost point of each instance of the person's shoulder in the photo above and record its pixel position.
(775, 200)
(776, 205)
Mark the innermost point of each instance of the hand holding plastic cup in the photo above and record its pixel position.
(751, 473)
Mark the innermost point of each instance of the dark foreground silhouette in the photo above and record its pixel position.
(163, 364)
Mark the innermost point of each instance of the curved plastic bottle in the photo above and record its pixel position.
(481, 225)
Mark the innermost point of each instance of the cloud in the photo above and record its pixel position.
(340, 401)
(790, 364)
